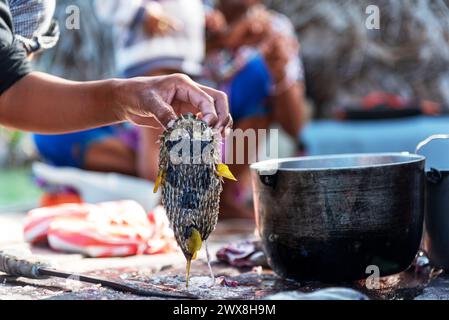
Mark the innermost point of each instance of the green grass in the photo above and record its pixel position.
(17, 189)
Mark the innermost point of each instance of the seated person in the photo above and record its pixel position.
(153, 38)
(253, 55)
(258, 44)
(38, 102)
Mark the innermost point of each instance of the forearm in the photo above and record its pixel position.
(48, 104)
(289, 109)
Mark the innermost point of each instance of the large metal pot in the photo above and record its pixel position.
(436, 220)
(329, 218)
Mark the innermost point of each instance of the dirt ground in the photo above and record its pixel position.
(165, 272)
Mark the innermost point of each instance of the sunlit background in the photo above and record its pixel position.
(344, 61)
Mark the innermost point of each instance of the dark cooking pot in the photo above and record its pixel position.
(436, 219)
(328, 218)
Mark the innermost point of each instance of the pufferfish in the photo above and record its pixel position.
(191, 176)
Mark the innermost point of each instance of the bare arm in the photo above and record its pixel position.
(289, 109)
(47, 104)
(288, 96)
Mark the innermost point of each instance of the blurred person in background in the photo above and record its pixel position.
(38, 102)
(38, 96)
(253, 55)
(152, 38)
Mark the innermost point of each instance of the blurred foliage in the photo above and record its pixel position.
(16, 148)
(17, 190)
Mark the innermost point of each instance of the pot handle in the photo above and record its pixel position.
(430, 139)
(434, 176)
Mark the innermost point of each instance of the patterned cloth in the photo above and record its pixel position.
(33, 23)
(108, 229)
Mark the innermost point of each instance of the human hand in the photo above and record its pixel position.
(277, 50)
(250, 29)
(166, 97)
(157, 22)
(215, 21)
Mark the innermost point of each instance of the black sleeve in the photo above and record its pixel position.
(13, 59)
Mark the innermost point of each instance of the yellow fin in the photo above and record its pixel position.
(158, 182)
(194, 243)
(223, 171)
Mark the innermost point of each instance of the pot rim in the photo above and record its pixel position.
(273, 164)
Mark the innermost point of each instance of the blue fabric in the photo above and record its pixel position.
(68, 150)
(398, 135)
(249, 90)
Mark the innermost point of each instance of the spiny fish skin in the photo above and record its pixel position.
(190, 191)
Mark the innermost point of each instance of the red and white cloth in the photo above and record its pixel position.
(110, 229)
